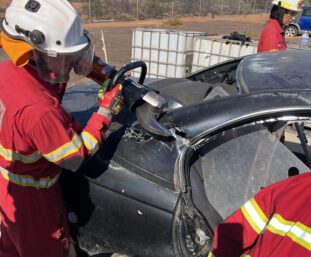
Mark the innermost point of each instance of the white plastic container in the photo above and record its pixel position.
(210, 51)
(168, 54)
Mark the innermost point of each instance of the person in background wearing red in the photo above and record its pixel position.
(44, 40)
(282, 13)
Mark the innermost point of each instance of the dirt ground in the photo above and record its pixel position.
(118, 35)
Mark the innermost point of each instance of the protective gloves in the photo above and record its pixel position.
(110, 102)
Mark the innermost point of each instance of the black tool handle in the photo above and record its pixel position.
(119, 75)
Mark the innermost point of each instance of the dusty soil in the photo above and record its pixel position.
(118, 35)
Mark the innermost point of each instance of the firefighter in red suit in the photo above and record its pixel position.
(275, 222)
(44, 40)
(282, 13)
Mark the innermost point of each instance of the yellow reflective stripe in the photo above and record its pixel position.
(259, 211)
(278, 225)
(28, 181)
(65, 150)
(210, 254)
(298, 232)
(300, 237)
(254, 215)
(11, 156)
(90, 142)
(250, 220)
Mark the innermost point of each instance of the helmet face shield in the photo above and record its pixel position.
(83, 65)
(55, 67)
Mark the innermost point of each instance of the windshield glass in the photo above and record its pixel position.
(236, 164)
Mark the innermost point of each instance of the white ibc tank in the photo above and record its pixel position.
(168, 54)
(209, 51)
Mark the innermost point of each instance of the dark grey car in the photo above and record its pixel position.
(148, 195)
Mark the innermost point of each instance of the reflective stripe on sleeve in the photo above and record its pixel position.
(301, 235)
(210, 254)
(65, 150)
(296, 231)
(28, 181)
(279, 226)
(254, 215)
(90, 142)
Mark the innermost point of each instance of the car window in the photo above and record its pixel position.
(306, 13)
(238, 163)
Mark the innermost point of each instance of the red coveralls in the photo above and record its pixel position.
(275, 223)
(272, 37)
(37, 138)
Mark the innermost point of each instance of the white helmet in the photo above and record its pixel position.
(292, 5)
(55, 30)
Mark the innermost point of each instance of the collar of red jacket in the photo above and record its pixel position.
(276, 25)
(16, 50)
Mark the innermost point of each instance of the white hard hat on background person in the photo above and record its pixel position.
(55, 31)
(292, 5)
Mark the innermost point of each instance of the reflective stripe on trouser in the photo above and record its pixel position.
(33, 222)
(28, 181)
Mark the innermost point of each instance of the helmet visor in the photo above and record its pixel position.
(55, 67)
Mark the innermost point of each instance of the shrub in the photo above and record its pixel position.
(173, 22)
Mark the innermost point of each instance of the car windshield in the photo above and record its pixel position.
(237, 163)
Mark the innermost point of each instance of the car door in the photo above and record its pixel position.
(124, 198)
(305, 20)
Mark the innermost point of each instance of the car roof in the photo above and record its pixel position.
(271, 84)
(290, 69)
(213, 116)
(275, 83)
